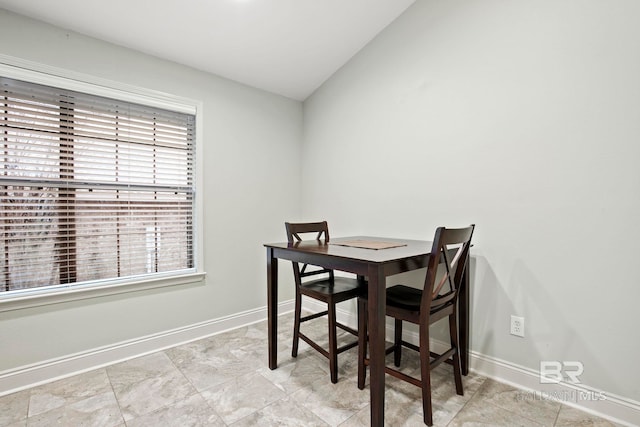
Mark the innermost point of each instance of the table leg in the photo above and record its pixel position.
(272, 308)
(377, 301)
(463, 320)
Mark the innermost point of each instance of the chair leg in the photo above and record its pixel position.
(333, 343)
(296, 324)
(457, 372)
(362, 342)
(397, 343)
(425, 368)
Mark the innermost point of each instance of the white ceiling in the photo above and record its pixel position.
(289, 47)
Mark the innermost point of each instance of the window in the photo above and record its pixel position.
(93, 190)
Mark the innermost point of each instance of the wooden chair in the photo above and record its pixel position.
(328, 289)
(437, 300)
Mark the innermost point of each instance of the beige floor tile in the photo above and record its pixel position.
(571, 417)
(542, 411)
(401, 410)
(148, 383)
(283, 413)
(14, 407)
(191, 412)
(295, 374)
(478, 413)
(67, 391)
(333, 403)
(208, 363)
(140, 369)
(97, 411)
(242, 396)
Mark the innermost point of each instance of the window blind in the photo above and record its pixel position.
(91, 188)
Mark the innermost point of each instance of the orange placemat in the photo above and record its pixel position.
(368, 244)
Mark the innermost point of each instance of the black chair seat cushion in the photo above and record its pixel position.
(409, 298)
(340, 285)
(404, 297)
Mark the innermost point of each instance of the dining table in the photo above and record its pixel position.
(374, 258)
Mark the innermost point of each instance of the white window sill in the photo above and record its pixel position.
(45, 297)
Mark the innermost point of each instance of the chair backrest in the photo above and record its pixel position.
(294, 232)
(451, 249)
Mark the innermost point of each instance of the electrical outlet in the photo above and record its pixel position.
(517, 326)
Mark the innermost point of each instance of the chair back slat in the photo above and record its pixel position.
(451, 249)
(294, 232)
(449, 265)
(314, 272)
(295, 229)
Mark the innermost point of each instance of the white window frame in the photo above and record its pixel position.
(19, 69)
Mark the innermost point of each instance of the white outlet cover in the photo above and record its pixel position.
(517, 326)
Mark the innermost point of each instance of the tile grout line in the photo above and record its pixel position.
(115, 396)
(467, 402)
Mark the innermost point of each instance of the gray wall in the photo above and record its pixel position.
(524, 118)
(251, 146)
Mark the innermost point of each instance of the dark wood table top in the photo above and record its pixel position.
(410, 249)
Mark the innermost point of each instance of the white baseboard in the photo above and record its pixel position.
(24, 377)
(615, 408)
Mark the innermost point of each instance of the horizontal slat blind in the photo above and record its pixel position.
(91, 188)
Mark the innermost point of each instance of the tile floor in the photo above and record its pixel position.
(224, 381)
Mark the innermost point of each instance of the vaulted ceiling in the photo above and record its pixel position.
(289, 47)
